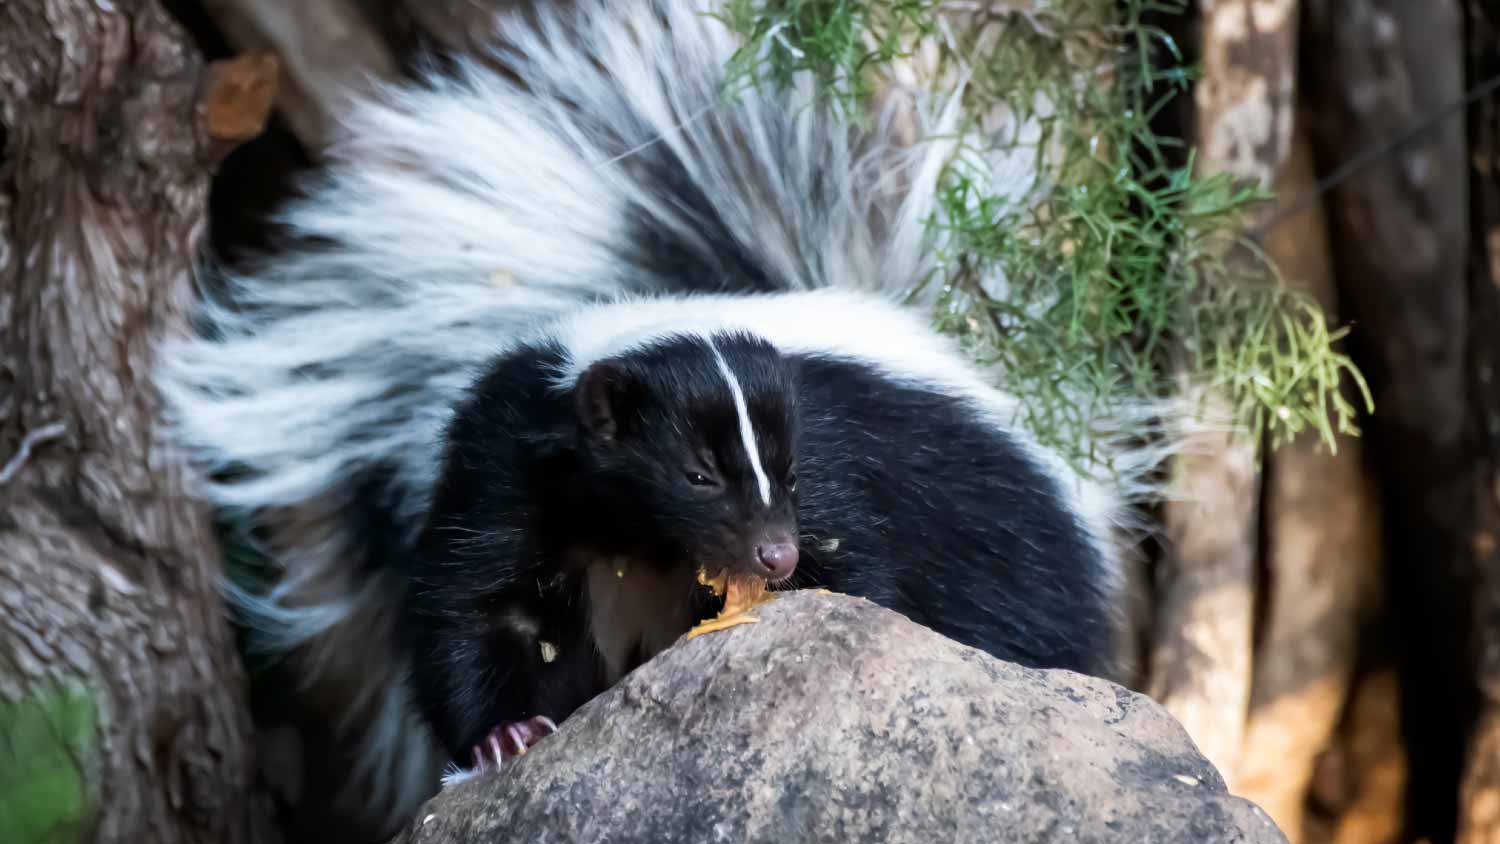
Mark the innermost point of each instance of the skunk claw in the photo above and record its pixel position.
(497, 750)
(516, 743)
(512, 738)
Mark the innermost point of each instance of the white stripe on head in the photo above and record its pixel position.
(747, 434)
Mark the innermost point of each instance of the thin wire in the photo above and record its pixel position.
(1350, 168)
(686, 122)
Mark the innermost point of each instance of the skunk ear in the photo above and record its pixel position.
(597, 397)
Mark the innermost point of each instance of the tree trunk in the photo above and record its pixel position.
(1399, 237)
(1201, 657)
(121, 697)
(1322, 530)
(1361, 783)
(1479, 801)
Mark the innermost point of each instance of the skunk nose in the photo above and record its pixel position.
(779, 558)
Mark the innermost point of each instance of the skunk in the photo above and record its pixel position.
(813, 438)
(563, 324)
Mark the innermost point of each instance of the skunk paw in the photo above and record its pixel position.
(510, 739)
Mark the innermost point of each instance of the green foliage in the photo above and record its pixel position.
(830, 38)
(1121, 268)
(45, 746)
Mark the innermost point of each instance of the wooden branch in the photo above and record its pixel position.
(1399, 237)
(1479, 795)
(120, 689)
(1201, 648)
(235, 100)
(1362, 781)
(327, 50)
(1201, 653)
(1323, 544)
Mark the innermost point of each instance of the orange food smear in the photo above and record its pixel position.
(741, 592)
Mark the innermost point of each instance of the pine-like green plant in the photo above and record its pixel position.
(1122, 268)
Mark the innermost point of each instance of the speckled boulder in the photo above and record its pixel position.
(835, 720)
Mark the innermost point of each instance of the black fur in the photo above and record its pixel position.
(704, 255)
(537, 484)
(945, 520)
(899, 494)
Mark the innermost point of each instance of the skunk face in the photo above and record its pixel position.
(697, 438)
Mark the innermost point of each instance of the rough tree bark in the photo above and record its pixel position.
(1399, 236)
(121, 697)
(1322, 541)
(1479, 801)
(1202, 649)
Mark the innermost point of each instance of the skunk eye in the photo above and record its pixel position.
(699, 480)
(791, 481)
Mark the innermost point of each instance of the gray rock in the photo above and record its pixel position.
(836, 720)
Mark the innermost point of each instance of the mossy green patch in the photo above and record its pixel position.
(47, 742)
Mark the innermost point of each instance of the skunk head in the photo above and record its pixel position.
(691, 443)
